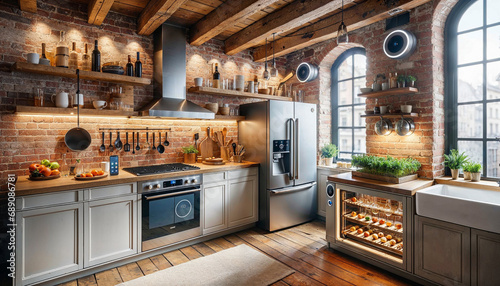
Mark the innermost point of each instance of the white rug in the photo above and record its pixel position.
(240, 265)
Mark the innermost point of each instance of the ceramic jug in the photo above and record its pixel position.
(62, 99)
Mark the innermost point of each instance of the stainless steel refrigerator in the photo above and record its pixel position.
(281, 136)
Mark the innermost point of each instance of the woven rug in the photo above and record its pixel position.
(240, 265)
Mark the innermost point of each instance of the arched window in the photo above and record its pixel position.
(472, 100)
(348, 127)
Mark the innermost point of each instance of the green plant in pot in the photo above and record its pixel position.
(329, 151)
(189, 154)
(467, 167)
(387, 166)
(410, 80)
(475, 171)
(401, 80)
(455, 161)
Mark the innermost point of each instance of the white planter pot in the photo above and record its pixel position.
(475, 177)
(467, 175)
(454, 174)
(329, 162)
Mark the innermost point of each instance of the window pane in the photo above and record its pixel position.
(492, 159)
(472, 18)
(358, 83)
(345, 92)
(345, 69)
(493, 79)
(470, 83)
(493, 120)
(474, 149)
(360, 65)
(493, 45)
(358, 120)
(492, 15)
(360, 140)
(345, 140)
(346, 156)
(470, 121)
(345, 116)
(470, 47)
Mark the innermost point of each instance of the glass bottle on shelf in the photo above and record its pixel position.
(129, 67)
(86, 60)
(376, 109)
(62, 52)
(216, 77)
(393, 80)
(43, 51)
(96, 58)
(73, 57)
(138, 66)
(78, 167)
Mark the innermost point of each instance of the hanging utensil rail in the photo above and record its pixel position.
(135, 129)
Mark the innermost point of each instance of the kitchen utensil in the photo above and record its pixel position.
(405, 127)
(237, 158)
(154, 139)
(214, 163)
(147, 146)
(126, 147)
(77, 139)
(196, 137)
(383, 127)
(43, 178)
(366, 89)
(383, 109)
(214, 107)
(137, 147)
(110, 142)
(33, 58)
(224, 134)
(103, 147)
(99, 104)
(62, 99)
(228, 143)
(160, 147)
(406, 108)
(206, 146)
(234, 148)
(224, 110)
(118, 142)
(166, 143)
(133, 142)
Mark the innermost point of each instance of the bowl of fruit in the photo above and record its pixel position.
(92, 175)
(46, 170)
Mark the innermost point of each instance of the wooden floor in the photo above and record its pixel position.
(302, 248)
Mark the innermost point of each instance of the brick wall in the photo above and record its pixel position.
(30, 138)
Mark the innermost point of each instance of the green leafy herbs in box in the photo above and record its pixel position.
(388, 166)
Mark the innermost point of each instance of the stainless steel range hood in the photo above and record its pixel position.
(169, 78)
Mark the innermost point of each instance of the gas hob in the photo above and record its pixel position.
(160, 169)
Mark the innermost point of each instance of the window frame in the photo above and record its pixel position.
(334, 96)
(451, 82)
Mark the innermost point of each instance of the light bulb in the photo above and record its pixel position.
(342, 35)
(274, 71)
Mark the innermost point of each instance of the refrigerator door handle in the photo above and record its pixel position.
(291, 133)
(296, 155)
(294, 189)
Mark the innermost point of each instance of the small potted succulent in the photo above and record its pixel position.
(455, 161)
(189, 154)
(410, 80)
(466, 168)
(401, 81)
(475, 171)
(329, 152)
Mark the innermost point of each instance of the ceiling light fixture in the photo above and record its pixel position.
(274, 70)
(342, 36)
(265, 75)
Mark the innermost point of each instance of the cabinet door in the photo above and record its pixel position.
(242, 201)
(49, 242)
(214, 207)
(485, 255)
(442, 251)
(110, 229)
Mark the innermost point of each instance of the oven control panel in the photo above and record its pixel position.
(169, 183)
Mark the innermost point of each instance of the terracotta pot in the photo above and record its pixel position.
(454, 174)
(467, 175)
(189, 158)
(475, 177)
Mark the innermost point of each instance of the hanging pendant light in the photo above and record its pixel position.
(342, 36)
(265, 75)
(274, 70)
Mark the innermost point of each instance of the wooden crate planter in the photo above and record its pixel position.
(387, 179)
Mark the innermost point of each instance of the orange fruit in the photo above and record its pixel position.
(94, 172)
(82, 176)
(100, 173)
(88, 175)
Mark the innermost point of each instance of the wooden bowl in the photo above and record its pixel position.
(263, 90)
(214, 107)
(224, 110)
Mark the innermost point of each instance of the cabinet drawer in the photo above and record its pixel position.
(242, 173)
(46, 200)
(112, 191)
(214, 177)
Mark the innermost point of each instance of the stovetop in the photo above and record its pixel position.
(160, 169)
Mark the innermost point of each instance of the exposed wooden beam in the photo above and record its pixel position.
(223, 17)
(98, 9)
(28, 5)
(359, 16)
(291, 16)
(155, 14)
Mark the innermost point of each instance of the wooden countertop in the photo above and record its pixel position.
(26, 187)
(460, 182)
(407, 189)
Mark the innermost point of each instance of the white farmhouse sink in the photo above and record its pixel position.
(465, 206)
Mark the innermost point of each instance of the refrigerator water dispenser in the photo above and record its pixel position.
(281, 157)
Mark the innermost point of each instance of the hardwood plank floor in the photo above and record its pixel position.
(302, 248)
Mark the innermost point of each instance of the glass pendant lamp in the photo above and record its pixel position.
(342, 35)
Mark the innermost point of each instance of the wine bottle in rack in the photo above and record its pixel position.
(129, 67)
(96, 58)
(138, 66)
(86, 60)
(216, 77)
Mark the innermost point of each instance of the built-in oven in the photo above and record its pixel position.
(170, 211)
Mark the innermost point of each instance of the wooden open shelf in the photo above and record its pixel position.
(230, 92)
(391, 115)
(71, 111)
(229, 117)
(392, 91)
(88, 75)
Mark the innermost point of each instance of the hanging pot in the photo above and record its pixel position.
(383, 127)
(405, 127)
(77, 139)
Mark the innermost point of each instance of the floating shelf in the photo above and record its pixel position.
(71, 73)
(230, 92)
(391, 115)
(229, 117)
(393, 91)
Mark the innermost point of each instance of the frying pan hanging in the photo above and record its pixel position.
(77, 139)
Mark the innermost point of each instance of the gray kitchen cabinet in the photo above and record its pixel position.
(323, 173)
(49, 242)
(110, 229)
(485, 254)
(243, 201)
(214, 210)
(442, 251)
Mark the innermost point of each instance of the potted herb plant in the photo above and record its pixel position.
(455, 161)
(401, 81)
(386, 169)
(466, 168)
(189, 154)
(475, 171)
(329, 151)
(410, 80)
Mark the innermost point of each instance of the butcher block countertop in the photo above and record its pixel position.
(407, 189)
(27, 187)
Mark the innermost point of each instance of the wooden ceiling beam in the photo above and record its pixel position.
(98, 9)
(28, 5)
(224, 17)
(291, 16)
(155, 14)
(358, 16)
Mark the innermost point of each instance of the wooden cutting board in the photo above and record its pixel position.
(206, 146)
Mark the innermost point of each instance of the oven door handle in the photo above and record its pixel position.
(171, 194)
